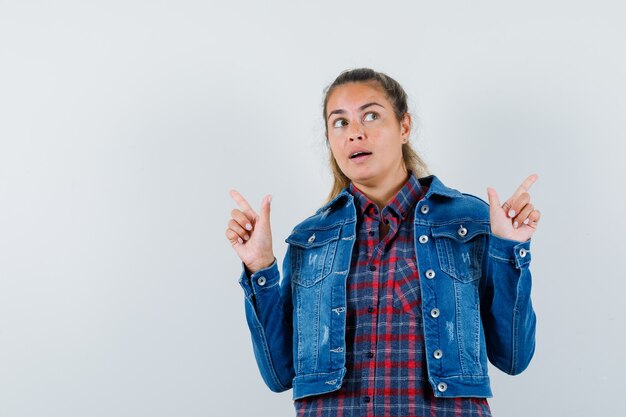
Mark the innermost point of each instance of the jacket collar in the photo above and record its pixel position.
(434, 184)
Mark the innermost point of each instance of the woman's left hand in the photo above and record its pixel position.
(517, 218)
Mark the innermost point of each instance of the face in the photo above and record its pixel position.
(361, 119)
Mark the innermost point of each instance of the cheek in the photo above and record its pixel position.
(334, 148)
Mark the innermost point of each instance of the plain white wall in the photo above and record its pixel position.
(124, 123)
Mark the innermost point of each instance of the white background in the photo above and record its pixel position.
(124, 123)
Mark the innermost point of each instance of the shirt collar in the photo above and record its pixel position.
(401, 204)
(431, 183)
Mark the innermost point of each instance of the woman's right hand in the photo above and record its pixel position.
(250, 234)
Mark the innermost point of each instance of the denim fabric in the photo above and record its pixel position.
(479, 282)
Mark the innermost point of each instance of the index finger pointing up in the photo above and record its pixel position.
(242, 202)
(528, 182)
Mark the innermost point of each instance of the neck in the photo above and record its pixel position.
(384, 190)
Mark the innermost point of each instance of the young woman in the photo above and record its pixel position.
(398, 290)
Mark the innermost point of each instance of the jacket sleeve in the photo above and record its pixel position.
(506, 308)
(268, 308)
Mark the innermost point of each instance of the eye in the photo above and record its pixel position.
(340, 123)
(369, 116)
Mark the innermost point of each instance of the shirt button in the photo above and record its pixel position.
(462, 231)
(423, 239)
(261, 281)
(370, 309)
(437, 354)
(442, 386)
(370, 354)
(522, 253)
(386, 221)
(372, 267)
(430, 274)
(425, 209)
(434, 312)
(366, 399)
(372, 232)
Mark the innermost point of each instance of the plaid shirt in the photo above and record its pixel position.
(385, 359)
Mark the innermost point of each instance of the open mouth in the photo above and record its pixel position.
(358, 155)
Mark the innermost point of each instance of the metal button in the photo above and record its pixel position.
(434, 312)
(423, 239)
(522, 253)
(442, 386)
(462, 231)
(438, 354)
(424, 209)
(312, 238)
(261, 281)
(430, 274)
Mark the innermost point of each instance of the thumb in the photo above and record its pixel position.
(494, 200)
(264, 215)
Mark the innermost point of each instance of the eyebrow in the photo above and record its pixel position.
(341, 111)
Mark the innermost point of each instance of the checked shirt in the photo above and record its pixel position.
(385, 360)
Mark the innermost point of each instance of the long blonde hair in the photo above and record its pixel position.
(398, 98)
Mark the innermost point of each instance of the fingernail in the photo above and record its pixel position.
(248, 226)
(240, 240)
(511, 213)
(246, 237)
(515, 224)
(527, 221)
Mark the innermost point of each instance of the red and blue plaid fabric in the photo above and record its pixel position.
(385, 359)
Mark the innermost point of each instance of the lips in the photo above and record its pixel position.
(359, 153)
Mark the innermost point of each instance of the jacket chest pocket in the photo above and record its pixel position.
(460, 249)
(312, 254)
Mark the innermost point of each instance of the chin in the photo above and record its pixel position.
(361, 177)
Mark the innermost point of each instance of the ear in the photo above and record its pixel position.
(405, 125)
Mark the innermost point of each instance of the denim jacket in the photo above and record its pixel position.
(479, 283)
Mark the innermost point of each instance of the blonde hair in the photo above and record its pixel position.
(398, 98)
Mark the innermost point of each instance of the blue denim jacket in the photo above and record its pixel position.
(480, 284)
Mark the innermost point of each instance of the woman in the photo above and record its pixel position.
(397, 291)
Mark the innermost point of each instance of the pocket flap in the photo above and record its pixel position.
(460, 231)
(311, 238)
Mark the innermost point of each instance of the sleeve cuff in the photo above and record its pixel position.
(510, 250)
(260, 280)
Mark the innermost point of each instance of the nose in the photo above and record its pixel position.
(355, 133)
